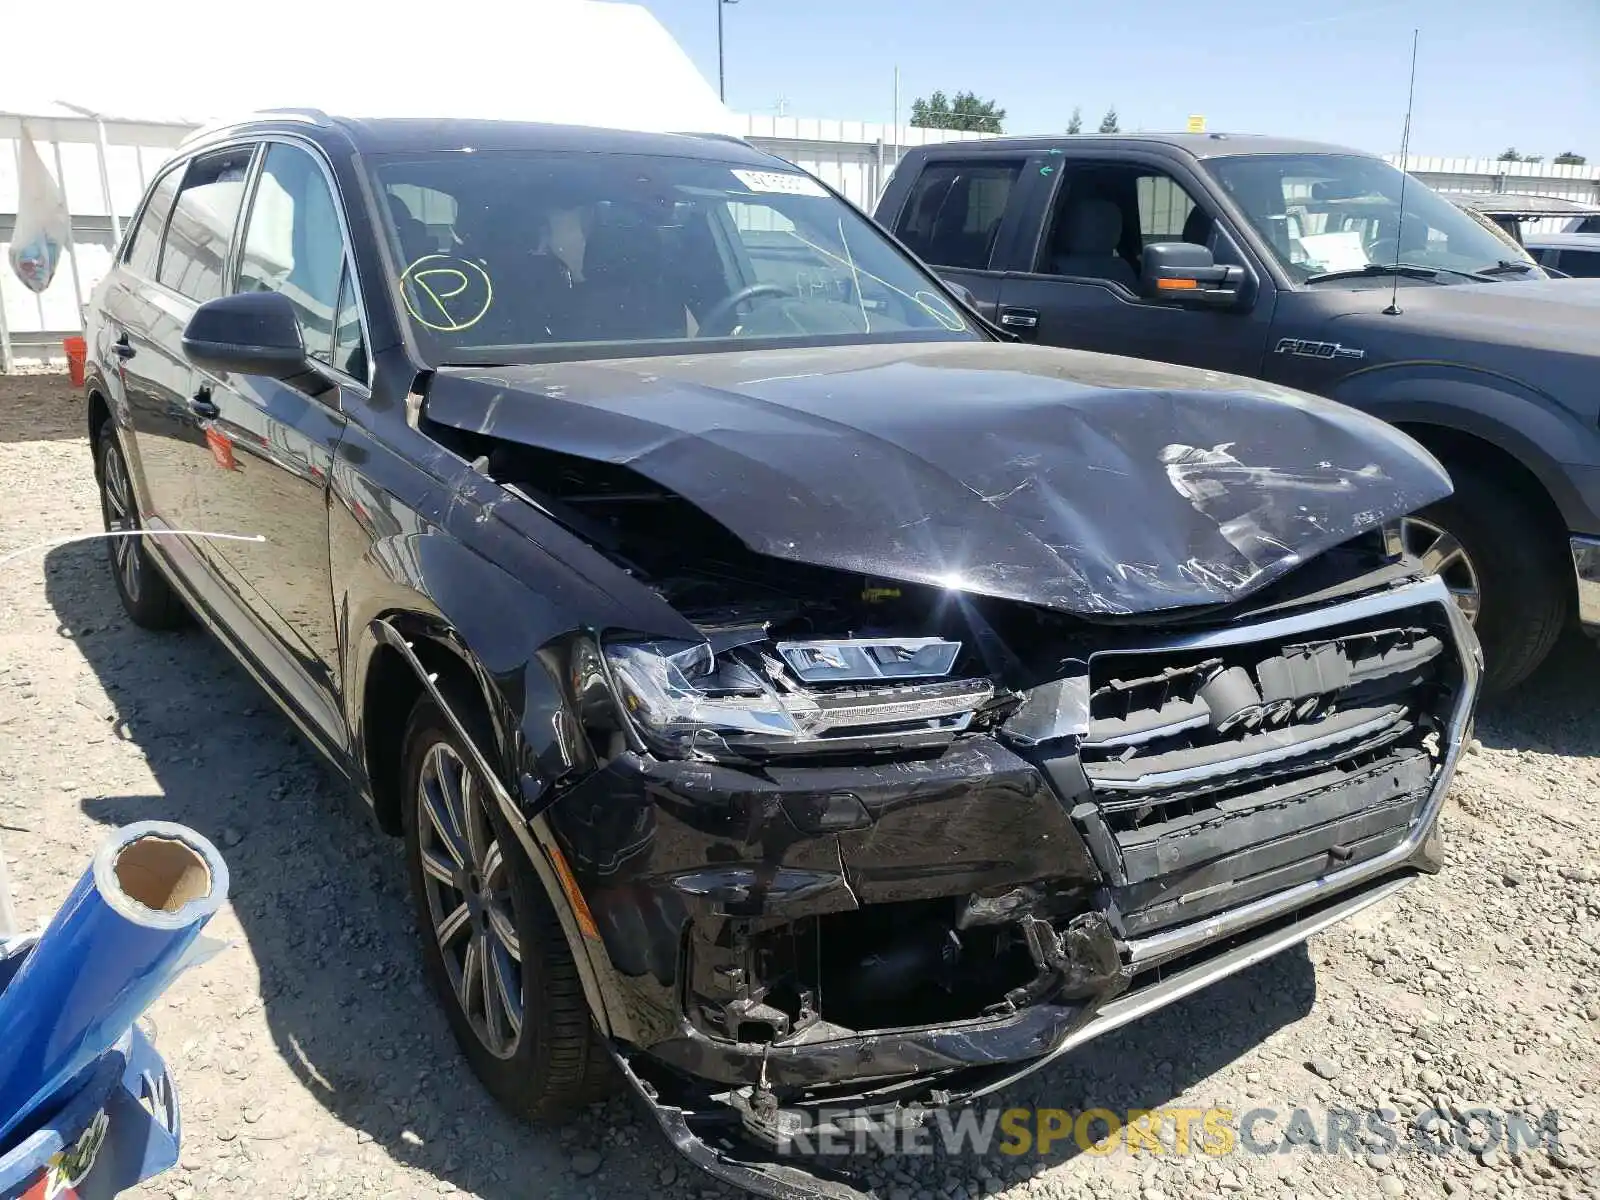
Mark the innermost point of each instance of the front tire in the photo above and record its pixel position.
(146, 596)
(1490, 546)
(492, 946)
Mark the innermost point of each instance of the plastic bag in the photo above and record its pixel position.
(42, 222)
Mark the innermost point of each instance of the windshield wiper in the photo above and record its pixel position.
(1506, 266)
(1406, 269)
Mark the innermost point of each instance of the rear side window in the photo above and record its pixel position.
(954, 210)
(293, 244)
(144, 245)
(195, 252)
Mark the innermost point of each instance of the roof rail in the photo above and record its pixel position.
(718, 137)
(306, 116)
(313, 116)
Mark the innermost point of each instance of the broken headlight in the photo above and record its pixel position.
(749, 701)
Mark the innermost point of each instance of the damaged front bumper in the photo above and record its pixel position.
(719, 1145)
(1085, 880)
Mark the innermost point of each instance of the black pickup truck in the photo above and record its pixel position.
(1290, 261)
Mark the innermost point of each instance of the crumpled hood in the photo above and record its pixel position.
(1080, 482)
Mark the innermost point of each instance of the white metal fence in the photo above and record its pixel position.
(103, 168)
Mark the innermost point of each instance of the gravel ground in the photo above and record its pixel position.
(310, 1061)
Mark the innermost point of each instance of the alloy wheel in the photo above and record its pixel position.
(468, 888)
(1441, 553)
(121, 517)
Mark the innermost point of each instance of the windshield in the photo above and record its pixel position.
(1325, 213)
(513, 254)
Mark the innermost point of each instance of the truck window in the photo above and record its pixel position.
(1164, 209)
(1581, 264)
(1322, 214)
(954, 210)
(1104, 216)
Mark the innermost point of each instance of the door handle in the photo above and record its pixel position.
(123, 348)
(203, 406)
(1019, 318)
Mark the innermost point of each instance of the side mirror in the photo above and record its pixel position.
(1184, 273)
(963, 294)
(253, 333)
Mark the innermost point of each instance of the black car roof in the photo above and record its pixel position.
(386, 135)
(1197, 145)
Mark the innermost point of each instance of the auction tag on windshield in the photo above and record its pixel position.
(1342, 251)
(780, 181)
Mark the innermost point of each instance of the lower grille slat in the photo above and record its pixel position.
(1159, 850)
(1222, 759)
(1161, 915)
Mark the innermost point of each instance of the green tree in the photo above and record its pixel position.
(1510, 155)
(1076, 124)
(938, 111)
(1568, 159)
(1109, 123)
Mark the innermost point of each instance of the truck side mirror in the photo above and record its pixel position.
(1184, 273)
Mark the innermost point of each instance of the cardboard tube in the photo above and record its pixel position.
(116, 944)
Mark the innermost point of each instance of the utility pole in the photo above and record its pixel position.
(722, 84)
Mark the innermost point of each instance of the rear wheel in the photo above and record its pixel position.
(146, 596)
(1490, 547)
(492, 945)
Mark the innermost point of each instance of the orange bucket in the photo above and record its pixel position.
(77, 351)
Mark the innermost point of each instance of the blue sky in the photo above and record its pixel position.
(1489, 75)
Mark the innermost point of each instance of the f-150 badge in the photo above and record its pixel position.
(1301, 348)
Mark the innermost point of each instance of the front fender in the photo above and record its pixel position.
(1526, 423)
(427, 566)
(487, 623)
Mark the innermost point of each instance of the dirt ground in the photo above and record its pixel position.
(310, 1061)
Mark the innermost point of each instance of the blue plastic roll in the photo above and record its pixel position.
(115, 945)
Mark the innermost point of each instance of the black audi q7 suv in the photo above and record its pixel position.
(790, 696)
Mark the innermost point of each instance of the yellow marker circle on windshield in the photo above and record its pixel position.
(452, 293)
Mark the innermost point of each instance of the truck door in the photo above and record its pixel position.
(955, 218)
(1075, 281)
